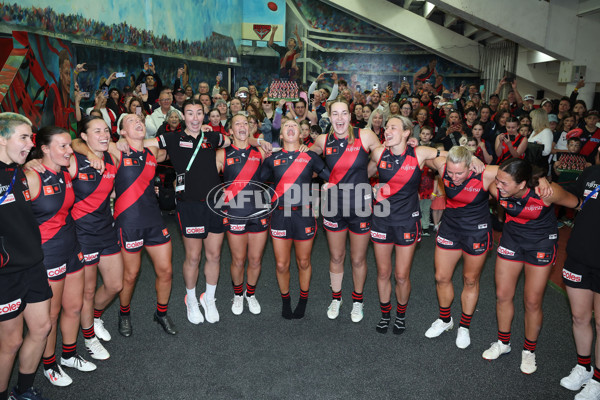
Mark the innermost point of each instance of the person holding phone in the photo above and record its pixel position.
(450, 134)
(510, 144)
(109, 116)
(150, 77)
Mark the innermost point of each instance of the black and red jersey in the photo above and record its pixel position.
(136, 205)
(52, 210)
(241, 169)
(91, 210)
(348, 165)
(528, 218)
(291, 173)
(20, 241)
(467, 205)
(202, 176)
(516, 141)
(399, 178)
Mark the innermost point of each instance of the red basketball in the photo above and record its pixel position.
(272, 6)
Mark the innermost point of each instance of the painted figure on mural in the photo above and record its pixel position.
(58, 109)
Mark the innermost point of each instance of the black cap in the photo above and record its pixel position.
(179, 90)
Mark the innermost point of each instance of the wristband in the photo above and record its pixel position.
(258, 141)
(438, 153)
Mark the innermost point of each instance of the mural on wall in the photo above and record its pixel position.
(41, 88)
(138, 24)
(101, 63)
(259, 18)
(327, 18)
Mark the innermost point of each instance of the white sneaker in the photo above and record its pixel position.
(253, 304)
(79, 363)
(96, 350)
(463, 338)
(577, 378)
(334, 308)
(101, 331)
(237, 306)
(357, 312)
(438, 327)
(193, 311)
(496, 350)
(58, 377)
(591, 391)
(210, 309)
(528, 365)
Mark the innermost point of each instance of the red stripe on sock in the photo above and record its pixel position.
(238, 290)
(98, 313)
(401, 308)
(529, 345)
(285, 295)
(125, 309)
(162, 307)
(49, 360)
(465, 320)
(357, 297)
(336, 295)
(584, 360)
(89, 332)
(504, 337)
(444, 312)
(596, 374)
(304, 294)
(385, 307)
(250, 289)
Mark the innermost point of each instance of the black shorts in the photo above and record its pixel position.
(93, 250)
(400, 235)
(197, 220)
(241, 226)
(73, 263)
(19, 288)
(296, 224)
(133, 240)
(356, 224)
(539, 252)
(474, 243)
(581, 276)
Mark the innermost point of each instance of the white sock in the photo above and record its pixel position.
(210, 291)
(191, 294)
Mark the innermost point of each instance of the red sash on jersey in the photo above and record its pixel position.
(590, 145)
(290, 176)
(50, 228)
(398, 180)
(91, 203)
(344, 163)
(242, 179)
(137, 188)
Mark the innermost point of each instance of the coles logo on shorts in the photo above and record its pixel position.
(10, 307)
(90, 257)
(378, 235)
(330, 224)
(505, 252)
(58, 271)
(165, 232)
(135, 244)
(237, 227)
(194, 230)
(278, 232)
(444, 241)
(568, 275)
